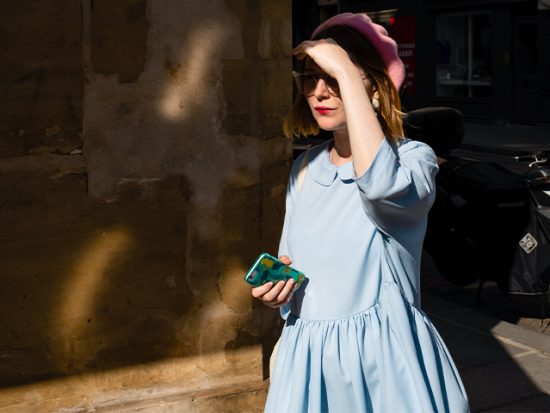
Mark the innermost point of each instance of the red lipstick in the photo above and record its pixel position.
(323, 110)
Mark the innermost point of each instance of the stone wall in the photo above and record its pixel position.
(40, 77)
(142, 169)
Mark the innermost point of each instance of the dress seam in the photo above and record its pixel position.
(365, 312)
(360, 314)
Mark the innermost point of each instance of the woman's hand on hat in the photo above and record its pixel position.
(276, 295)
(327, 54)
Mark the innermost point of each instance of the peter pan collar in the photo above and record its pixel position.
(323, 171)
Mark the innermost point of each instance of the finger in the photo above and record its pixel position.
(271, 295)
(298, 50)
(286, 294)
(300, 56)
(285, 259)
(303, 45)
(308, 44)
(301, 51)
(257, 292)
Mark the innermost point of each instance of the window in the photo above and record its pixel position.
(463, 55)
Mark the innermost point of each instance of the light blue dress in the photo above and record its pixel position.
(355, 339)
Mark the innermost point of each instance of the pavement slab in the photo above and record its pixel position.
(497, 385)
(475, 349)
(537, 368)
(504, 367)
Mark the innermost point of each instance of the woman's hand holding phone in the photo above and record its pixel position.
(276, 295)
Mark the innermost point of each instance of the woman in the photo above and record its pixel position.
(355, 338)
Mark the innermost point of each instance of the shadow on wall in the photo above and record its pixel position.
(140, 255)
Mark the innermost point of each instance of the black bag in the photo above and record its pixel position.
(530, 273)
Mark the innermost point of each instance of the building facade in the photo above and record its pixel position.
(487, 58)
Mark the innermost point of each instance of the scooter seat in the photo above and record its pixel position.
(440, 127)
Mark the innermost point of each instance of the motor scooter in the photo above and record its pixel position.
(530, 273)
(487, 223)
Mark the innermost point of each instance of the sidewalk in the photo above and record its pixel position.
(504, 367)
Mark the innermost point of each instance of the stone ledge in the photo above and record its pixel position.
(235, 397)
(88, 393)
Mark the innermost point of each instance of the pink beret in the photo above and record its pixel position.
(377, 36)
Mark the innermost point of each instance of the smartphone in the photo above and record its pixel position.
(268, 268)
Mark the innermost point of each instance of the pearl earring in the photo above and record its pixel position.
(375, 104)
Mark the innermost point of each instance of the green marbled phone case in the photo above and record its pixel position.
(268, 268)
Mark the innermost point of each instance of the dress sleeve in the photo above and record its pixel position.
(398, 189)
(291, 192)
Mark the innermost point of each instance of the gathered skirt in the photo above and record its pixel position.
(388, 358)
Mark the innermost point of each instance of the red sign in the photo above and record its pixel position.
(402, 30)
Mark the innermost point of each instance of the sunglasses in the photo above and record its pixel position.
(307, 83)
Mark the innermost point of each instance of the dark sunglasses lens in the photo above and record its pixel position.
(332, 84)
(307, 83)
(310, 83)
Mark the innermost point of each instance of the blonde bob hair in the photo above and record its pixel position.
(300, 122)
